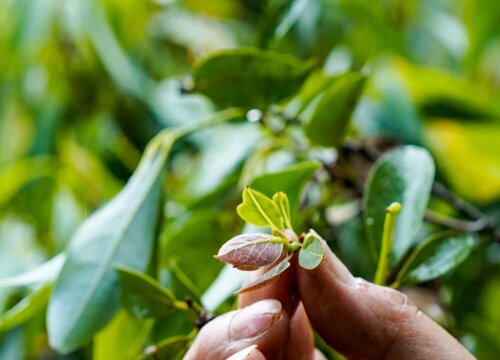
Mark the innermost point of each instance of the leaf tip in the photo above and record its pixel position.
(394, 208)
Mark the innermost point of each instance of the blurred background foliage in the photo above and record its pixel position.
(85, 84)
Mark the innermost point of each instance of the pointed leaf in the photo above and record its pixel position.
(28, 307)
(403, 175)
(86, 294)
(328, 122)
(281, 200)
(436, 256)
(267, 278)
(259, 210)
(249, 77)
(43, 273)
(312, 252)
(250, 251)
(143, 296)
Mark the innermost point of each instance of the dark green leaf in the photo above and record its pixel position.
(28, 307)
(403, 175)
(249, 77)
(290, 181)
(200, 235)
(143, 296)
(436, 256)
(86, 294)
(312, 252)
(280, 18)
(259, 210)
(268, 277)
(328, 122)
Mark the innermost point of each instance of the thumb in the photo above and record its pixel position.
(363, 320)
(263, 323)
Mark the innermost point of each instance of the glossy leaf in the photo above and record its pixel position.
(328, 122)
(143, 296)
(290, 180)
(267, 278)
(86, 294)
(312, 252)
(249, 77)
(28, 307)
(436, 256)
(402, 175)
(259, 210)
(250, 251)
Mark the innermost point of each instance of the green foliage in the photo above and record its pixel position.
(403, 175)
(249, 77)
(86, 292)
(328, 122)
(312, 252)
(434, 257)
(329, 111)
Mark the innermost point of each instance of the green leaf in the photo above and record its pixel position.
(312, 252)
(172, 348)
(281, 200)
(267, 278)
(143, 296)
(279, 19)
(249, 77)
(436, 256)
(290, 181)
(403, 175)
(28, 307)
(44, 273)
(328, 122)
(200, 235)
(86, 294)
(259, 210)
(122, 338)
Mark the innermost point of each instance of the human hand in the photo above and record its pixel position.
(359, 319)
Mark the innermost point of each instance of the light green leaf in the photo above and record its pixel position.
(403, 175)
(144, 297)
(290, 181)
(281, 200)
(312, 252)
(28, 307)
(122, 338)
(328, 122)
(267, 278)
(43, 273)
(249, 77)
(259, 210)
(436, 256)
(86, 294)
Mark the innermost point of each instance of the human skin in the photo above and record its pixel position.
(358, 319)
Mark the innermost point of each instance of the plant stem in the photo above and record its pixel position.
(385, 251)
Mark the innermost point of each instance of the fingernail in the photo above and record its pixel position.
(254, 320)
(243, 354)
